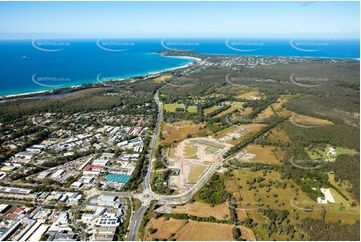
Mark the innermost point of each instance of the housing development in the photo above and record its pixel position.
(179, 120)
(227, 148)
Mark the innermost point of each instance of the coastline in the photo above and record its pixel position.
(150, 73)
(186, 57)
(194, 59)
(38, 92)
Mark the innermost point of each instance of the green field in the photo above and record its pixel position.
(190, 152)
(192, 109)
(195, 173)
(171, 107)
(211, 109)
(212, 149)
(171, 152)
(235, 104)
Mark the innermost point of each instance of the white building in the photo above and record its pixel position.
(61, 223)
(57, 174)
(328, 198)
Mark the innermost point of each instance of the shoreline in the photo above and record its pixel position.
(194, 60)
(37, 92)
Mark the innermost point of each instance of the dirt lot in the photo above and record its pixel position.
(184, 230)
(268, 112)
(193, 157)
(278, 106)
(165, 228)
(201, 209)
(209, 231)
(307, 120)
(250, 95)
(265, 154)
(277, 134)
(250, 129)
(195, 173)
(162, 78)
(211, 109)
(178, 131)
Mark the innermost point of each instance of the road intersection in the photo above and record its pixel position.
(147, 196)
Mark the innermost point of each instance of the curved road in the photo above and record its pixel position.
(147, 196)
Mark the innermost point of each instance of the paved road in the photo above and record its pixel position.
(135, 223)
(147, 193)
(147, 179)
(147, 196)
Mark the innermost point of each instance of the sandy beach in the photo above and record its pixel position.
(116, 79)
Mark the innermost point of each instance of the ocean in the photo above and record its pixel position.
(44, 64)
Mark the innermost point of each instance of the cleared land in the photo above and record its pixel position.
(343, 186)
(278, 134)
(195, 173)
(211, 109)
(307, 120)
(200, 209)
(265, 114)
(267, 154)
(250, 95)
(192, 109)
(187, 230)
(246, 130)
(192, 157)
(190, 151)
(233, 107)
(171, 107)
(175, 132)
(278, 106)
(170, 152)
(207, 231)
(162, 78)
(165, 228)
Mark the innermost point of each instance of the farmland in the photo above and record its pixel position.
(201, 209)
(185, 230)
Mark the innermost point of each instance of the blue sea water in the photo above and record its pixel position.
(38, 65)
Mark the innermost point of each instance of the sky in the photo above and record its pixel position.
(178, 19)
